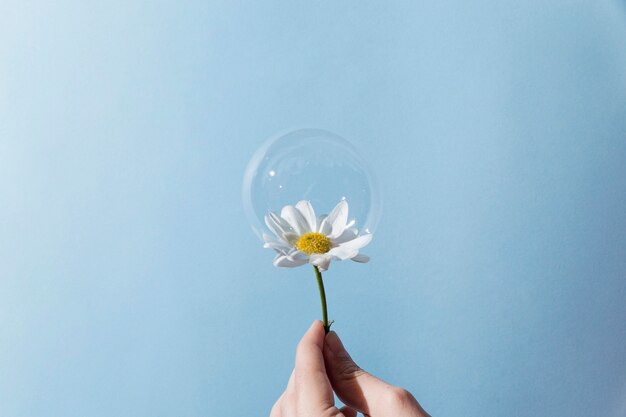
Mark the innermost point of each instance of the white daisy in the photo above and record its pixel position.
(303, 238)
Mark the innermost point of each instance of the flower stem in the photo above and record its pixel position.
(320, 286)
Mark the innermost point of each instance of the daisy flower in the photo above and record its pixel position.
(301, 237)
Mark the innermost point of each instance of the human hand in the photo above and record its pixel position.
(324, 365)
(309, 393)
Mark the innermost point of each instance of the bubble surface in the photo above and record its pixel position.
(310, 164)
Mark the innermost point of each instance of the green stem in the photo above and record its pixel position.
(320, 286)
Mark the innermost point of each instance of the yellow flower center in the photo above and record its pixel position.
(313, 243)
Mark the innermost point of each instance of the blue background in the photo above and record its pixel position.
(132, 285)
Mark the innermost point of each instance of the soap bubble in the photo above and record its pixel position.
(314, 165)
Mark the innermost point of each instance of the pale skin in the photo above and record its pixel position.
(323, 366)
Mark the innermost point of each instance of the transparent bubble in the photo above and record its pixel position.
(314, 165)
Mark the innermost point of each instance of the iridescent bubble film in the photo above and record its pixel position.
(314, 165)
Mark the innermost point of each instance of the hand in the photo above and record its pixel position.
(323, 365)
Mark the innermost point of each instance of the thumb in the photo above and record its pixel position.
(360, 390)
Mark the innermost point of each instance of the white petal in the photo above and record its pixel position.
(291, 238)
(347, 235)
(358, 242)
(277, 224)
(321, 261)
(323, 226)
(297, 255)
(272, 239)
(343, 253)
(361, 258)
(278, 245)
(284, 224)
(283, 261)
(308, 213)
(295, 219)
(338, 218)
(271, 224)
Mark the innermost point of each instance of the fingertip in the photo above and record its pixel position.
(311, 344)
(317, 324)
(315, 333)
(333, 344)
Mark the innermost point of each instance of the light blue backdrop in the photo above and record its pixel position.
(131, 284)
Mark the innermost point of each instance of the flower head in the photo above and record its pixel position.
(301, 237)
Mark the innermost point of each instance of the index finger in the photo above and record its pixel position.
(312, 385)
